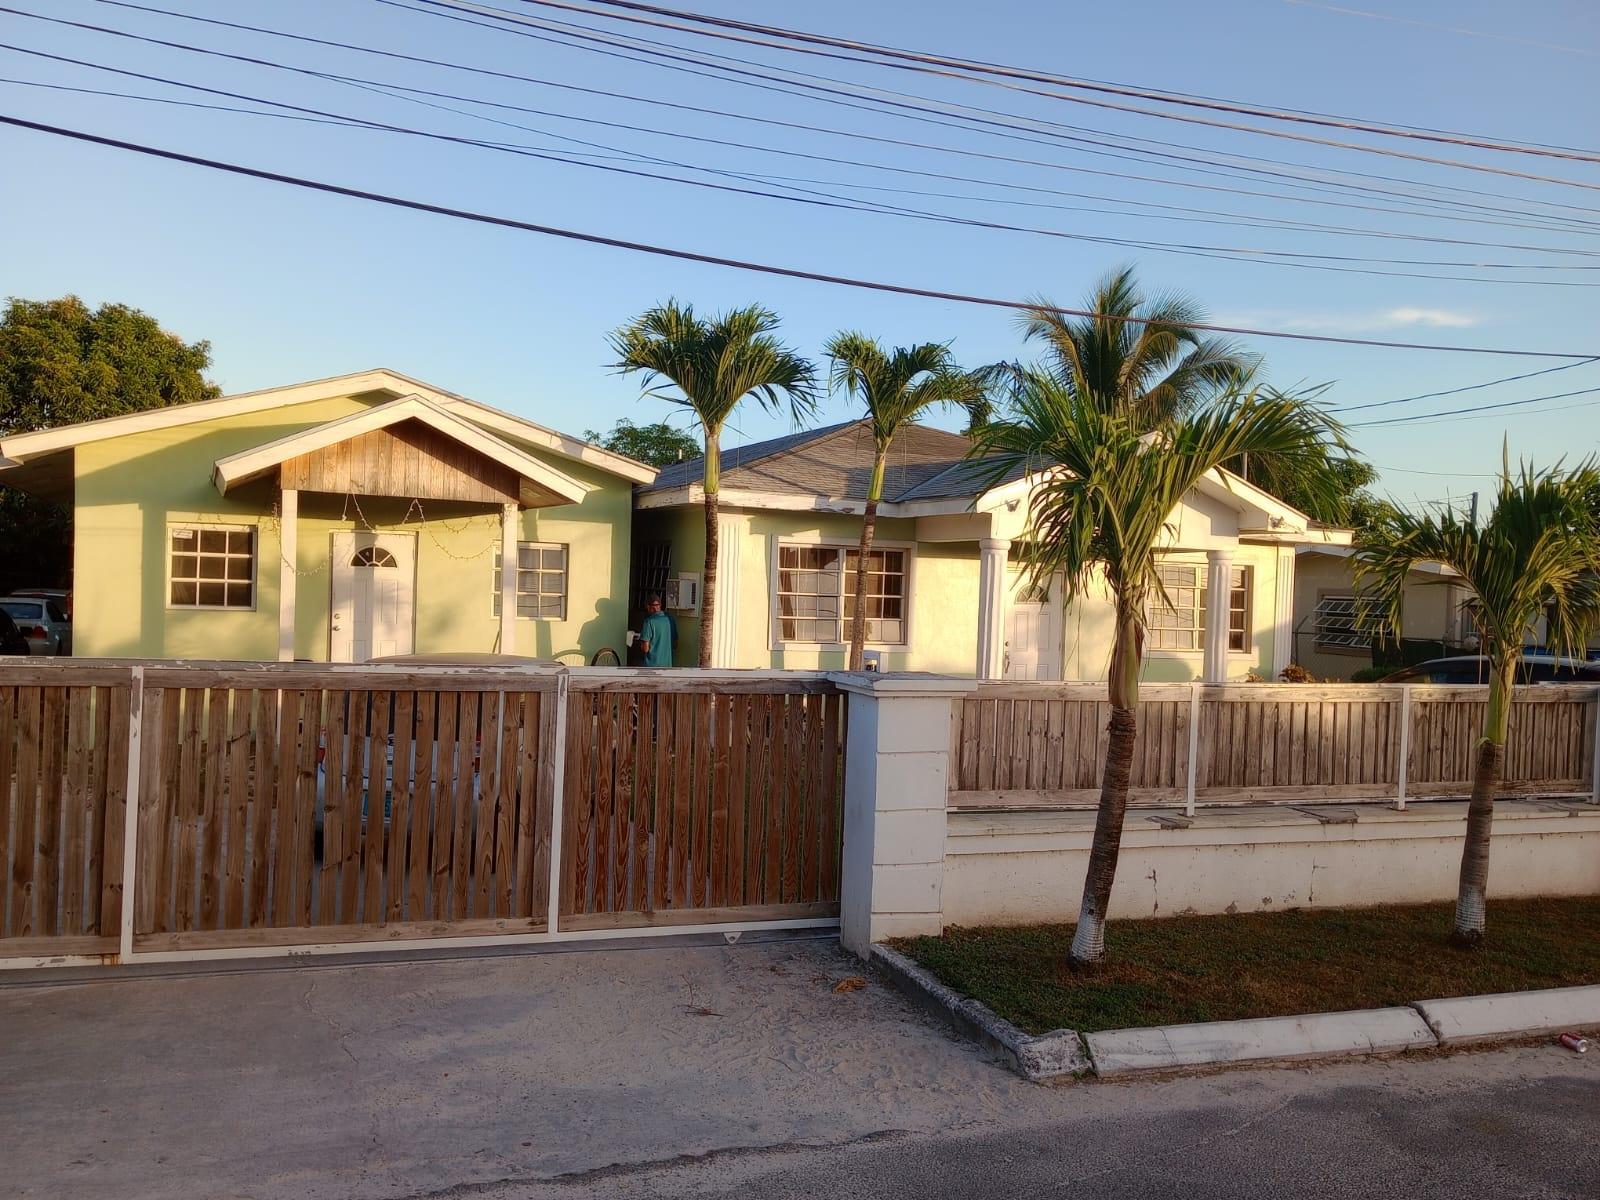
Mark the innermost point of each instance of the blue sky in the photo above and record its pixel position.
(289, 285)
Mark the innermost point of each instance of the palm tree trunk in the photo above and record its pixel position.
(1471, 897)
(711, 483)
(869, 529)
(1089, 940)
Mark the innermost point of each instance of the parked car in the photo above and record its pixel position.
(1474, 668)
(11, 639)
(42, 622)
(62, 597)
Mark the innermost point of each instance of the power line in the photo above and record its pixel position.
(1321, 262)
(506, 22)
(1455, 412)
(733, 263)
(1342, 202)
(1559, 47)
(911, 61)
(1471, 387)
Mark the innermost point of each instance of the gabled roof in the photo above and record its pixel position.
(540, 484)
(25, 448)
(836, 462)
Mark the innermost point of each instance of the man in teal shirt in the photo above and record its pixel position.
(655, 638)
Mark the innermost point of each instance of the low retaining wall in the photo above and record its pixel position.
(1015, 868)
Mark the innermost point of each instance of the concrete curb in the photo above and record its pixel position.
(1122, 1052)
(1465, 1019)
(1045, 1057)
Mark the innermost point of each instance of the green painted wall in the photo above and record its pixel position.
(129, 489)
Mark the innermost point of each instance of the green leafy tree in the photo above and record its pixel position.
(62, 363)
(1536, 553)
(658, 444)
(710, 367)
(894, 386)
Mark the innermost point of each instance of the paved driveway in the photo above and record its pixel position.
(696, 1071)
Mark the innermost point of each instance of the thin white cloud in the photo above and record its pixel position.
(1402, 317)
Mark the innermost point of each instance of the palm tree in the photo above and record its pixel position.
(1137, 354)
(1537, 553)
(895, 386)
(1108, 470)
(709, 367)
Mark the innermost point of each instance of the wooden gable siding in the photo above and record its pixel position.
(407, 460)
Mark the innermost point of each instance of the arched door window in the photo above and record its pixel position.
(373, 556)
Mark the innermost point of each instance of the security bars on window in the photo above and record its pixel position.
(815, 597)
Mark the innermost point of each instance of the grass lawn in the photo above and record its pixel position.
(1179, 969)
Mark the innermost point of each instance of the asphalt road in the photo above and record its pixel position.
(705, 1070)
(1522, 1122)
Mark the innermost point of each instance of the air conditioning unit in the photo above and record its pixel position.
(683, 592)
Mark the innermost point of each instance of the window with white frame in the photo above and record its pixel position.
(211, 566)
(541, 581)
(814, 600)
(1179, 622)
(1344, 622)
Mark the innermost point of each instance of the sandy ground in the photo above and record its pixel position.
(700, 1071)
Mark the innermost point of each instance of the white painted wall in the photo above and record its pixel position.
(1019, 868)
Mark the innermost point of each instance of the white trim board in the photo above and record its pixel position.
(25, 447)
(246, 465)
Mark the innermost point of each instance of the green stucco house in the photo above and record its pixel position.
(343, 519)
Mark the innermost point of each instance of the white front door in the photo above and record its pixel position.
(374, 578)
(1033, 628)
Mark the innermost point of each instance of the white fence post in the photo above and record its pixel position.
(896, 805)
(1194, 749)
(1594, 795)
(130, 816)
(558, 801)
(1403, 773)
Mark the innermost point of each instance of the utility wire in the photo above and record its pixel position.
(1455, 412)
(777, 37)
(1471, 387)
(513, 23)
(1322, 262)
(722, 261)
(1341, 202)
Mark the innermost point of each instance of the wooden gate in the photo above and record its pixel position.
(285, 808)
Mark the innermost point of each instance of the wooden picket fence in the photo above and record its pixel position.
(299, 805)
(1041, 745)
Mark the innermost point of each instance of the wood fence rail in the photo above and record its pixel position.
(1041, 745)
(309, 805)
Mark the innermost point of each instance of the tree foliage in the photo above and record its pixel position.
(658, 444)
(61, 363)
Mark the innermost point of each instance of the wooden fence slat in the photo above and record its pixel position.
(682, 748)
(158, 747)
(503, 893)
(47, 863)
(487, 818)
(759, 869)
(263, 805)
(377, 793)
(605, 846)
(468, 733)
(77, 809)
(25, 921)
(660, 885)
(832, 793)
(238, 809)
(738, 798)
(538, 752)
(425, 752)
(213, 808)
(644, 803)
(794, 775)
(111, 791)
(397, 833)
(719, 790)
(811, 835)
(341, 851)
(625, 734)
(575, 831)
(8, 800)
(447, 769)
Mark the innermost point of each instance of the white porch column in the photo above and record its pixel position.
(508, 578)
(992, 556)
(896, 782)
(1219, 575)
(725, 633)
(1283, 647)
(288, 560)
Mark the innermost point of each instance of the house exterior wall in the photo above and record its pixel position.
(1428, 610)
(942, 634)
(128, 489)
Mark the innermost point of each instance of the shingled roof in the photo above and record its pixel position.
(836, 462)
